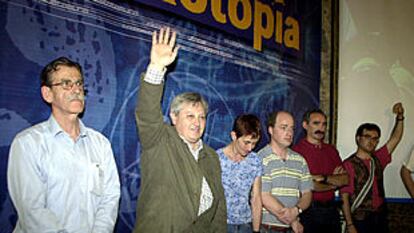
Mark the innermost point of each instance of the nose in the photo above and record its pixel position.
(197, 121)
(77, 89)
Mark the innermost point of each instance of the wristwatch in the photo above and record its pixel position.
(325, 179)
(299, 209)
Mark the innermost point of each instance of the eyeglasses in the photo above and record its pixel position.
(369, 137)
(67, 84)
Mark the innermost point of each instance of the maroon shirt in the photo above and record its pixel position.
(322, 160)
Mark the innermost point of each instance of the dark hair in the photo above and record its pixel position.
(271, 120)
(46, 75)
(247, 124)
(307, 115)
(369, 127)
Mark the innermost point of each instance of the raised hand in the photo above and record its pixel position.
(163, 50)
(398, 110)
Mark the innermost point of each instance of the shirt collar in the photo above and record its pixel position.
(195, 152)
(315, 146)
(269, 150)
(55, 128)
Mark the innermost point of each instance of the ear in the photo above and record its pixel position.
(233, 136)
(173, 118)
(270, 130)
(47, 94)
(305, 125)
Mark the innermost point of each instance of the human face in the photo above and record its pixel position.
(315, 128)
(190, 122)
(282, 132)
(244, 144)
(65, 102)
(368, 141)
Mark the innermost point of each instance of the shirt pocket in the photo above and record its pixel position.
(97, 178)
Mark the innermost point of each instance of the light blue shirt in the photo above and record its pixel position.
(238, 179)
(61, 185)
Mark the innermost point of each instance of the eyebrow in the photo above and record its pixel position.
(287, 125)
(69, 79)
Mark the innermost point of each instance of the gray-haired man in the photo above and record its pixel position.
(181, 188)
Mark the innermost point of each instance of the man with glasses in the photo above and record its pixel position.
(62, 175)
(363, 197)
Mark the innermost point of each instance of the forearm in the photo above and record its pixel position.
(148, 113)
(271, 204)
(256, 212)
(346, 208)
(321, 187)
(305, 200)
(329, 182)
(256, 203)
(337, 180)
(396, 134)
(149, 101)
(407, 180)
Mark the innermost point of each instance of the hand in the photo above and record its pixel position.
(163, 52)
(318, 178)
(297, 226)
(288, 215)
(398, 110)
(339, 170)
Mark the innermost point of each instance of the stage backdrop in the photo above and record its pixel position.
(376, 70)
(111, 40)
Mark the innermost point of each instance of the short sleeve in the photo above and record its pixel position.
(409, 163)
(351, 174)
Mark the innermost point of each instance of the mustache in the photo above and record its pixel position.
(80, 97)
(319, 132)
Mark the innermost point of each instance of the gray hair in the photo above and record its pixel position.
(187, 97)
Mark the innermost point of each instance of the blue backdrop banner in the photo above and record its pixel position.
(276, 23)
(111, 40)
